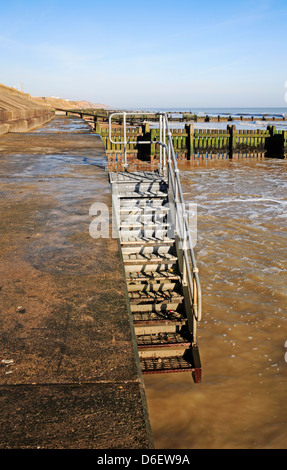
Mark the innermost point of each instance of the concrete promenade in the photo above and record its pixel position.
(69, 378)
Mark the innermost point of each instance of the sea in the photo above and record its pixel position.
(235, 113)
(242, 338)
(256, 112)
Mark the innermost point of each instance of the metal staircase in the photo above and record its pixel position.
(157, 254)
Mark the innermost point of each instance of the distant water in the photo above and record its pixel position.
(256, 112)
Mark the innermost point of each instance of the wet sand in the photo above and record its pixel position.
(68, 375)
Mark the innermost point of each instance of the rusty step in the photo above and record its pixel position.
(153, 306)
(152, 365)
(164, 325)
(188, 361)
(142, 318)
(155, 342)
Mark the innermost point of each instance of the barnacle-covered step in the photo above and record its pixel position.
(154, 365)
(158, 322)
(165, 344)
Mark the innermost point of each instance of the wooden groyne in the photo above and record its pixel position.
(173, 116)
(188, 141)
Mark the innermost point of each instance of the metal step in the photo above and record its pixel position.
(141, 318)
(150, 262)
(145, 234)
(148, 268)
(142, 214)
(142, 194)
(145, 202)
(144, 276)
(153, 280)
(148, 226)
(142, 186)
(153, 287)
(153, 242)
(161, 365)
(144, 237)
(155, 344)
(136, 177)
(158, 323)
(149, 258)
(144, 219)
(159, 249)
(118, 176)
(156, 307)
(143, 296)
(159, 328)
(144, 209)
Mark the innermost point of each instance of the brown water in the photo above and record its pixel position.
(241, 255)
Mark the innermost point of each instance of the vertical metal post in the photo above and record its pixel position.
(160, 139)
(125, 141)
(168, 156)
(164, 148)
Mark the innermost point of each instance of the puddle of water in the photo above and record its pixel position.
(64, 124)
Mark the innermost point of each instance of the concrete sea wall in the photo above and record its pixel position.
(19, 113)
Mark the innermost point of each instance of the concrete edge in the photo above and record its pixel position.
(140, 376)
(25, 125)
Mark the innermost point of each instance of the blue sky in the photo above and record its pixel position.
(148, 53)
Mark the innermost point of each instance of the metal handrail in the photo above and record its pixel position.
(168, 161)
(193, 278)
(125, 142)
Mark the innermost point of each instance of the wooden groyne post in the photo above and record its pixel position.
(189, 142)
(276, 146)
